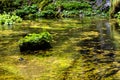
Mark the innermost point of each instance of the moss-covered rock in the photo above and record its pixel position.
(34, 42)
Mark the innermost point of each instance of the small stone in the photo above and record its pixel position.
(21, 59)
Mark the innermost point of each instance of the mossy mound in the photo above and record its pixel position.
(34, 42)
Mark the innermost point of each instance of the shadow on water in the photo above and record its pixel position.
(104, 50)
(99, 54)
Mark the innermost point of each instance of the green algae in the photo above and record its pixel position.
(79, 52)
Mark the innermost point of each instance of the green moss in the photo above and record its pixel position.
(35, 41)
(43, 3)
(26, 10)
(75, 5)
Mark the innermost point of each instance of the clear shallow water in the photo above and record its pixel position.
(85, 49)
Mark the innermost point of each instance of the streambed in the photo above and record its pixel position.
(83, 49)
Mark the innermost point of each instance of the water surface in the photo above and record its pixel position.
(83, 49)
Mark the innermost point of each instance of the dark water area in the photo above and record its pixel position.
(86, 49)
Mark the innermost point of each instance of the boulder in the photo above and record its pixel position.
(106, 6)
(34, 42)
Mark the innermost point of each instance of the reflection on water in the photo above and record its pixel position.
(104, 29)
(87, 49)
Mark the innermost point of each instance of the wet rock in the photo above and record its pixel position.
(106, 6)
(97, 47)
(107, 46)
(84, 51)
(111, 72)
(34, 46)
(21, 59)
(110, 54)
(96, 60)
(88, 60)
(90, 70)
(106, 60)
(117, 59)
(99, 51)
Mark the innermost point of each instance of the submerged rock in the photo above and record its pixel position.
(21, 59)
(34, 42)
(111, 72)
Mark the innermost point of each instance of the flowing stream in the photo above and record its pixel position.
(86, 49)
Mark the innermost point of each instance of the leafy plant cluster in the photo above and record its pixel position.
(36, 38)
(8, 5)
(69, 8)
(11, 5)
(76, 5)
(35, 41)
(29, 9)
(117, 15)
(26, 10)
(71, 13)
(51, 6)
(46, 14)
(9, 19)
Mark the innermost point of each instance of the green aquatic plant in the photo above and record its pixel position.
(117, 15)
(115, 8)
(51, 6)
(70, 13)
(75, 5)
(43, 3)
(35, 41)
(46, 14)
(67, 9)
(9, 19)
(26, 10)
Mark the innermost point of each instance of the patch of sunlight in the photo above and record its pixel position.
(11, 32)
(35, 26)
(54, 24)
(48, 27)
(70, 20)
(62, 63)
(43, 67)
(10, 68)
(90, 33)
(66, 25)
(11, 77)
(86, 38)
(118, 21)
(55, 68)
(14, 57)
(116, 39)
(60, 24)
